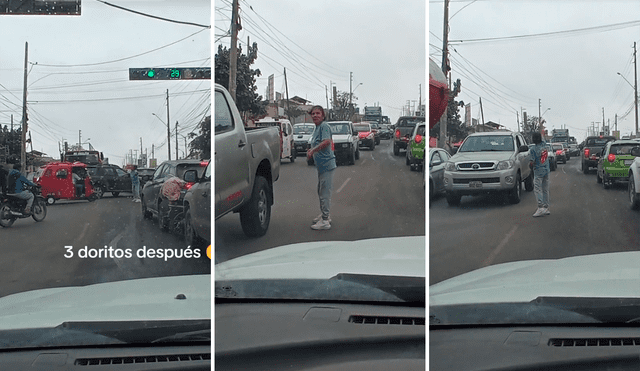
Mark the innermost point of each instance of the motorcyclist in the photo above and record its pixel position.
(20, 190)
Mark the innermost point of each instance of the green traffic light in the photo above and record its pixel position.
(151, 73)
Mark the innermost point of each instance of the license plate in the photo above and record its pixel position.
(628, 162)
(475, 184)
(300, 148)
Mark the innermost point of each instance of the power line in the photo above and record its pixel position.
(153, 16)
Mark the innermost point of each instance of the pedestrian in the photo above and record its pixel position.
(540, 166)
(19, 190)
(325, 160)
(135, 184)
(3, 179)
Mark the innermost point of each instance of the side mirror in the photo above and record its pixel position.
(355, 132)
(435, 163)
(523, 148)
(190, 176)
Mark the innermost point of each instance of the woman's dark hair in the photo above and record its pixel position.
(536, 137)
(318, 108)
(17, 167)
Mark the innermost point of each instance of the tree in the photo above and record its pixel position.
(341, 110)
(531, 125)
(456, 129)
(247, 100)
(200, 146)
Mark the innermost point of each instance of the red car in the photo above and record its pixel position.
(366, 136)
(57, 182)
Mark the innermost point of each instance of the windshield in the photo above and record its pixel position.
(339, 128)
(487, 143)
(532, 239)
(303, 130)
(361, 128)
(114, 86)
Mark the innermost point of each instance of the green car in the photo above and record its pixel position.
(415, 147)
(613, 165)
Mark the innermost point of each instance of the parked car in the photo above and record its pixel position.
(109, 178)
(155, 203)
(366, 136)
(592, 150)
(613, 165)
(403, 129)
(301, 135)
(560, 152)
(633, 188)
(415, 148)
(438, 157)
(489, 162)
(197, 208)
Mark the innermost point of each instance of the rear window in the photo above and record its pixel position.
(622, 149)
(362, 128)
(182, 168)
(409, 121)
(598, 141)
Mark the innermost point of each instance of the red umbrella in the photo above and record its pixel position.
(438, 93)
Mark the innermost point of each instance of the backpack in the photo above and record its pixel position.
(12, 179)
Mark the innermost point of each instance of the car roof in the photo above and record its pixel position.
(489, 133)
(625, 141)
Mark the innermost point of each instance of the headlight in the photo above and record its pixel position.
(450, 166)
(505, 165)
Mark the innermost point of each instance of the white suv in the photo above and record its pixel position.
(489, 162)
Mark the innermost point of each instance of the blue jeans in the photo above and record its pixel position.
(325, 186)
(135, 189)
(26, 195)
(541, 189)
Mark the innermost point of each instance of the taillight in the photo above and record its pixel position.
(204, 163)
(611, 157)
(188, 185)
(398, 134)
(559, 152)
(418, 138)
(586, 152)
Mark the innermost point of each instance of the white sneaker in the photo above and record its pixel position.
(546, 211)
(321, 224)
(319, 217)
(539, 212)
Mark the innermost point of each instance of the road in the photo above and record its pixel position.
(377, 197)
(34, 254)
(585, 219)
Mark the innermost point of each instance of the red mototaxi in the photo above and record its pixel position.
(56, 182)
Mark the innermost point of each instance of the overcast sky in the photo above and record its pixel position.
(78, 75)
(572, 67)
(321, 42)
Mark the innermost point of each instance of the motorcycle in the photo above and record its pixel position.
(12, 207)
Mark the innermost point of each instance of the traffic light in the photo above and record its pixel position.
(176, 73)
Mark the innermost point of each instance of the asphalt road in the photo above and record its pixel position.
(377, 197)
(35, 256)
(585, 219)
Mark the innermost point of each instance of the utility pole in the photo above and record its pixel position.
(635, 86)
(23, 147)
(350, 94)
(177, 154)
(603, 128)
(326, 93)
(233, 56)
(445, 70)
(539, 115)
(286, 88)
(168, 130)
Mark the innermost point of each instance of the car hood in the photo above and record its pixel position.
(341, 137)
(132, 300)
(481, 156)
(600, 275)
(391, 256)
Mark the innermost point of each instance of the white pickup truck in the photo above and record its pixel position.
(247, 164)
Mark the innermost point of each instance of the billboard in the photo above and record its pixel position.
(373, 111)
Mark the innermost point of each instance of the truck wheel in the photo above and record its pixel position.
(514, 194)
(606, 183)
(598, 178)
(585, 168)
(163, 218)
(407, 161)
(453, 199)
(352, 158)
(358, 153)
(98, 190)
(255, 216)
(190, 235)
(293, 156)
(146, 214)
(396, 149)
(634, 203)
(115, 194)
(528, 183)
